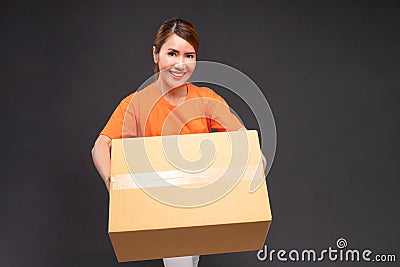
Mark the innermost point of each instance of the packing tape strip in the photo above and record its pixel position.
(180, 178)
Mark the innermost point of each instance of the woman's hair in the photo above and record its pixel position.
(180, 27)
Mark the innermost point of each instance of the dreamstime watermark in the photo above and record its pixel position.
(339, 253)
(197, 108)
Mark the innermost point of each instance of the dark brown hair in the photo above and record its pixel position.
(180, 27)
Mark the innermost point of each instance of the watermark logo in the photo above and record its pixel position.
(341, 243)
(191, 110)
(339, 253)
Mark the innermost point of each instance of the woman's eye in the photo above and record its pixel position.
(172, 53)
(190, 56)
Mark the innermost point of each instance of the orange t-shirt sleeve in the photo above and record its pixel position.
(122, 122)
(222, 119)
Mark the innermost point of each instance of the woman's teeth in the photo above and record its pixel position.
(177, 74)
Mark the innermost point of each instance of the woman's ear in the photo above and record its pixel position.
(155, 55)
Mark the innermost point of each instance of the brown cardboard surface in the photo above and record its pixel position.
(141, 227)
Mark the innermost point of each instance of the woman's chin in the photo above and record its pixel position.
(174, 83)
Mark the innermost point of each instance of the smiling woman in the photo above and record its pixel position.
(174, 53)
(176, 60)
(168, 106)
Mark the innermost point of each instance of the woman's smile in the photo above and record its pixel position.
(177, 74)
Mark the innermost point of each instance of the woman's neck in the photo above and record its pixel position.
(177, 92)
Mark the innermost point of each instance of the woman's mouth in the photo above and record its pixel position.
(177, 74)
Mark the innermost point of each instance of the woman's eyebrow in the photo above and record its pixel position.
(176, 51)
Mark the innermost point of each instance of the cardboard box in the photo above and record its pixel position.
(186, 195)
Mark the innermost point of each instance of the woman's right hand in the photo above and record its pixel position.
(102, 158)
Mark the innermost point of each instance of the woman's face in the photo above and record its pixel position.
(176, 61)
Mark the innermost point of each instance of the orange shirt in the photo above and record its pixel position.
(147, 113)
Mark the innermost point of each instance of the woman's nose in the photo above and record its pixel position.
(180, 61)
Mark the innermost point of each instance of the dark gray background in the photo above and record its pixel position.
(329, 69)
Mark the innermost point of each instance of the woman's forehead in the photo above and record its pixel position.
(177, 43)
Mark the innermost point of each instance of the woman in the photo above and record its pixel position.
(168, 106)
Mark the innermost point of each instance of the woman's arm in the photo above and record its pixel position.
(263, 159)
(102, 158)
